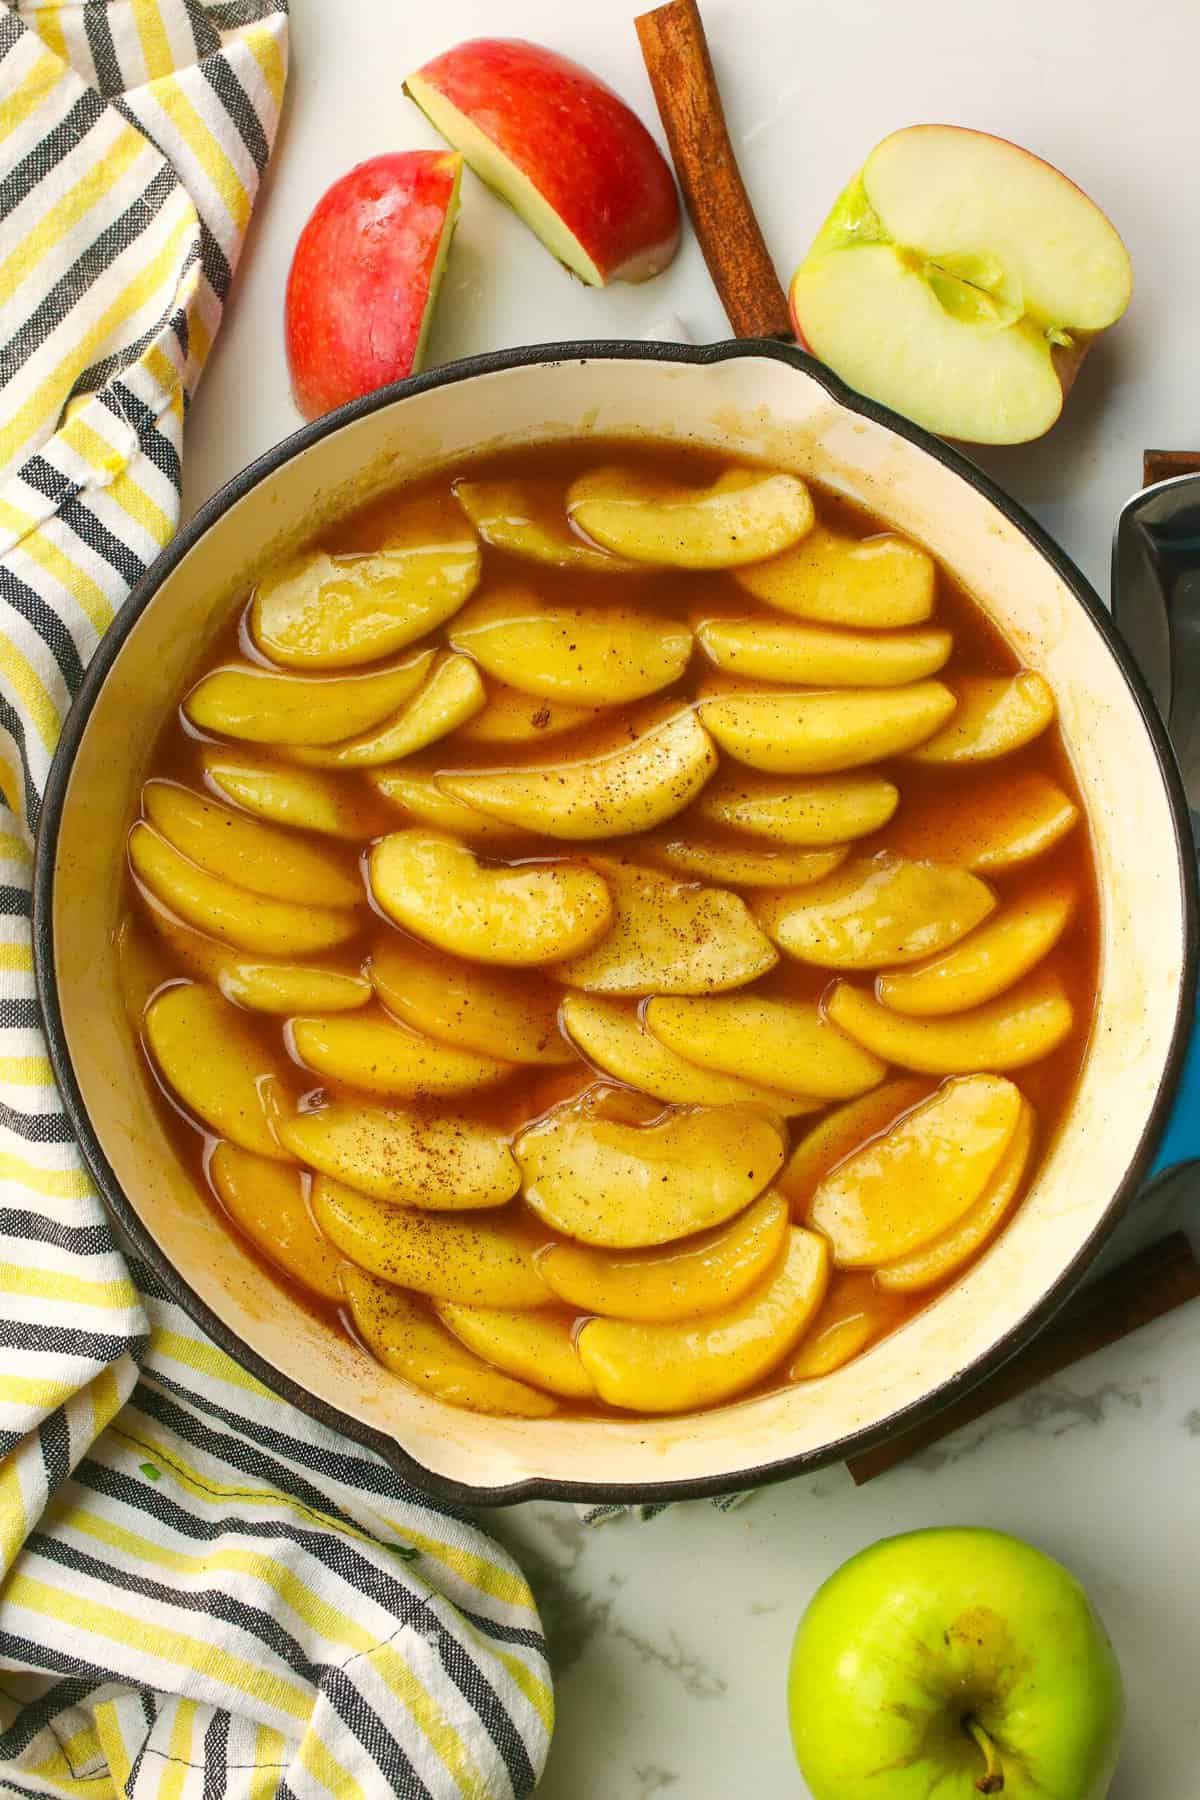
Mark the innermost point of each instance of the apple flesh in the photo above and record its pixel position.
(365, 275)
(954, 1662)
(960, 280)
(566, 153)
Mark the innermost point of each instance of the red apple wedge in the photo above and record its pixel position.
(567, 154)
(961, 280)
(365, 275)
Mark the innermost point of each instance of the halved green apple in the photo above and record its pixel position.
(961, 279)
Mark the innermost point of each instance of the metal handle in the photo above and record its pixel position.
(1156, 605)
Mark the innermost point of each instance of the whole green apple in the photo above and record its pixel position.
(954, 1663)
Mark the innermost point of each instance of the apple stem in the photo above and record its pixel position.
(992, 1779)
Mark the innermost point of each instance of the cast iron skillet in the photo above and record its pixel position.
(942, 1394)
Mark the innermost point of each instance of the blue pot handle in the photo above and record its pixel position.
(1156, 605)
(1181, 1139)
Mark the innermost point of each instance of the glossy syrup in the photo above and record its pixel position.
(979, 648)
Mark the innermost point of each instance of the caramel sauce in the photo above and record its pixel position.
(979, 648)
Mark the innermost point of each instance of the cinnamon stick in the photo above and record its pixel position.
(675, 51)
(1148, 1285)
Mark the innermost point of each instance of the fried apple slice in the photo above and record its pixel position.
(250, 854)
(737, 865)
(442, 1163)
(825, 730)
(416, 792)
(818, 656)
(308, 802)
(220, 1071)
(489, 1011)
(827, 810)
(536, 1346)
(483, 1261)
(513, 717)
(531, 914)
(584, 655)
(528, 518)
(402, 1335)
(872, 583)
(669, 937)
(701, 1274)
(233, 914)
(615, 1040)
(744, 515)
(676, 1367)
(854, 1315)
(827, 1143)
(377, 1056)
(874, 911)
(322, 611)
(451, 693)
(939, 1260)
(631, 788)
(1012, 818)
(626, 1186)
(266, 1200)
(289, 988)
(1021, 1027)
(269, 987)
(260, 707)
(995, 715)
(784, 1043)
(906, 1188)
(991, 960)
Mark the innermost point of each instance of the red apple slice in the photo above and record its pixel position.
(961, 280)
(365, 275)
(567, 154)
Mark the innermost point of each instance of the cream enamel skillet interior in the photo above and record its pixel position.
(759, 401)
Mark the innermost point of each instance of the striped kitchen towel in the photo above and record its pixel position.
(203, 1592)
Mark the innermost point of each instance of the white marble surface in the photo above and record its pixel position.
(670, 1639)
